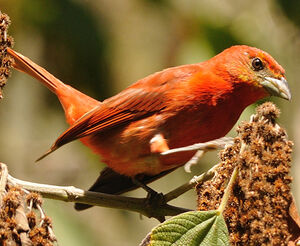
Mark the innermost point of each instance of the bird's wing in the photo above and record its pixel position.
(138, 101)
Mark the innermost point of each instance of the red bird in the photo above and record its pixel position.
(176, 107)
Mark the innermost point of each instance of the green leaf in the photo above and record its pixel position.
(205, 228)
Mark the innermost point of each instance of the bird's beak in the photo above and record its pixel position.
(277, 87)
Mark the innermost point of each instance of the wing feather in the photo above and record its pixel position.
(144, 98)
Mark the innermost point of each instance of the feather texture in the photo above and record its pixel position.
(184, 105)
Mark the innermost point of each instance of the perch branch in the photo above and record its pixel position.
(72, 194)
(190, 184)
(3, 179)
(140, 205)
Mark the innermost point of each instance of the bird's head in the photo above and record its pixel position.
(257, 68)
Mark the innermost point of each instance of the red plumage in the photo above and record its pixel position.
(184, 105)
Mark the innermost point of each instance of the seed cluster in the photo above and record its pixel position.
(22, 219)
(5, 60)
(257, 212)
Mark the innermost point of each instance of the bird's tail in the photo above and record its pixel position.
(27, 66)
(69, 97)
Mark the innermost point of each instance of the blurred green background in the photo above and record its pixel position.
(100, 47)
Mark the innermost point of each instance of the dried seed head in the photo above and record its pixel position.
(268, 110)
(47, 222)
(35, 198)
(5, 60)
(3, 235)
(258, 209)
(37, 236)
(11, 202)
(20, 224)
(31, 217)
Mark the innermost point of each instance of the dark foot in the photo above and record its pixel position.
(153, 199)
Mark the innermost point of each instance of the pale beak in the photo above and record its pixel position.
(277, 87)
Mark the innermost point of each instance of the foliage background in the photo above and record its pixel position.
(100, 47)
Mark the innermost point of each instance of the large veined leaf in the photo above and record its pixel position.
(204, 228)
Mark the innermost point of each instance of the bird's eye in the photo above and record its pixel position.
(257, 64)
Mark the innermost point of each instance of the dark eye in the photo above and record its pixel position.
(257, 64)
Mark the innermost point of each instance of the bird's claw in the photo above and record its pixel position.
(154, 200)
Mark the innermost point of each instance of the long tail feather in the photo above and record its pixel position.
(75, 103)
(27, 66)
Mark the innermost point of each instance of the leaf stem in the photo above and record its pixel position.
(228, 190)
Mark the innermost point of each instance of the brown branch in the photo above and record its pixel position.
(72, 194)
(3, 181)
(190, 184)
(140, 205)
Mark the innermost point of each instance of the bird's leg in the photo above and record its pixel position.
(136, 181)
(194, 160)
(158, 144)
(152, 195)
(154, 199)
(219, 143)
(201, 149)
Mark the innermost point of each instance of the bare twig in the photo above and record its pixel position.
(194, 160)
(191, 184)
(140, 205)
(72, 194)
(3, 180)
